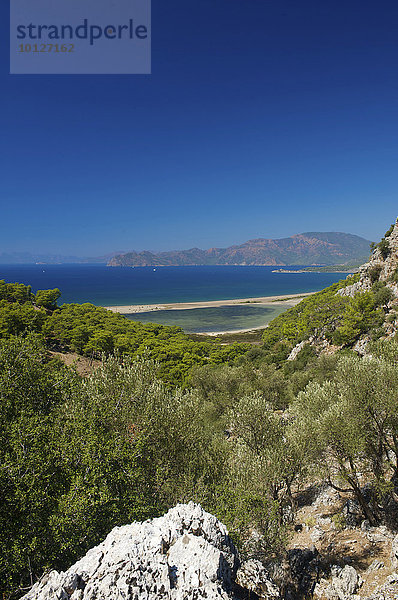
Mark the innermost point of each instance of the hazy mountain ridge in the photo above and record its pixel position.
(328, 248)
(20, 258)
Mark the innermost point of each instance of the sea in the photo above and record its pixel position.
(121, 286)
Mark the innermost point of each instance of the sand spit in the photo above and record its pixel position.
(286, 300)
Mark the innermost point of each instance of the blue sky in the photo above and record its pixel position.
(262, 118)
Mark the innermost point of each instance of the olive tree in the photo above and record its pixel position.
(264, 463)
(349, 427)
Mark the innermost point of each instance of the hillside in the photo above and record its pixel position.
(348, 314)
(327, 248)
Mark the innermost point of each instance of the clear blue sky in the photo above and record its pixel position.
(262, 118)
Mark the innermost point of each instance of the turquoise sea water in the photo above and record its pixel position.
(119, 286)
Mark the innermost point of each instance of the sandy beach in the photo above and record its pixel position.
(287, 300)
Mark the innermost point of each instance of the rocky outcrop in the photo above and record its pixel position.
(186, 554)
(298, 348)
(346, 582)
(355, 560)
(344, 585)
(382, 267)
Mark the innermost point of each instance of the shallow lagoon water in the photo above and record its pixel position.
(206, 320)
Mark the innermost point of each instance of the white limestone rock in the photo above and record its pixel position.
(297, 349)
(345, 583)
(317, 534)
(184, 555)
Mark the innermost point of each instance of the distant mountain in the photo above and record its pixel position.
(302, 249)
(18, 258)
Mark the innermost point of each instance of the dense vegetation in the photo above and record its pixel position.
(91, 331)
(165, 418)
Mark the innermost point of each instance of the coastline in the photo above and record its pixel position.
(287, 300)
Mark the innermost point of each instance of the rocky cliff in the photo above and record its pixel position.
(303, 249)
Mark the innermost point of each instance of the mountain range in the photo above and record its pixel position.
(20, 258)
(311, 248)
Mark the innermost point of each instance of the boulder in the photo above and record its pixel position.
(327, 496)
(344, 585)
(347, 582)
(317, 534)
(186, 554)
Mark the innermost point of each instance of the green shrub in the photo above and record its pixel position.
(394, 276)
(360, 316)
(318, 314)
(302, 359)
(384, 248)
(374, 273)
(81, 456)
(15, 292)
(389, 231)
(377, 333)
(339, 521)
(47, 298)
(348, 426)
(382, 294)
